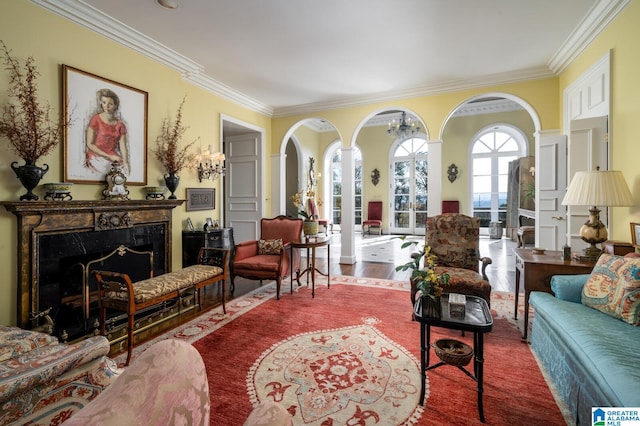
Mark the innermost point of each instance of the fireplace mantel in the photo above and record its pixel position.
(36, 218)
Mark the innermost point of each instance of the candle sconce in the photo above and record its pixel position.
(375, 176)
(453, 172)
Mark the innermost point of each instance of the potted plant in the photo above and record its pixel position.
(172, 158)
(310, 225)
(27, 124)
(424, 278)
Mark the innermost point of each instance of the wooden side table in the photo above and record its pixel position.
(311, 244)
(536, 271)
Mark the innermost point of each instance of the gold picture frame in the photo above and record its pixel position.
(635, 234)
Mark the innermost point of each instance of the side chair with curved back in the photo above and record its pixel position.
(374, 217)
(313, 210)
(267, 259)
(455, 241)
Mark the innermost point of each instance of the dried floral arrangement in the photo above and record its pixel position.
(27, 123)
(167, 152)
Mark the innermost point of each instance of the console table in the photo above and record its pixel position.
(536, 271)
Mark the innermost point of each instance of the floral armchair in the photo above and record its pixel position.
(270, 257)
(455, 241)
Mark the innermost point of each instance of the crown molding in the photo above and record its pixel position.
(426, 90)
(88, 17)
(91, 18)
(600, 15)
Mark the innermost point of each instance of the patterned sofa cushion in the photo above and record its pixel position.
(614, 288)
(15, 341)
(270, 246)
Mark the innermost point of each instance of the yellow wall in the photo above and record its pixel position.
(621, 37)
(30, 30)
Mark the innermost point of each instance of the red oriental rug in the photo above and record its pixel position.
(351, 356)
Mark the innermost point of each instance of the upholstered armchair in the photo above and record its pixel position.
(455, 241)
(270, 257)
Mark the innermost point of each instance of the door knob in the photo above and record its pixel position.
(557, 217)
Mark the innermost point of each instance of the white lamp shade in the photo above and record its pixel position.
(598, 188)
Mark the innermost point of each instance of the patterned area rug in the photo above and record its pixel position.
(353, 375)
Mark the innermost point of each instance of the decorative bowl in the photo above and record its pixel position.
(154, 190)
(453, 352)
(58, 186)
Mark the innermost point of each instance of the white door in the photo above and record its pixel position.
(409, 214)
(243, 189)
(551, 184)
(587, 150)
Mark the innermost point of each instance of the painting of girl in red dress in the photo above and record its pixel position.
(107, 135)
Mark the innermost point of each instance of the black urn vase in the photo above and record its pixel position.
(172, 182)
(29, 175)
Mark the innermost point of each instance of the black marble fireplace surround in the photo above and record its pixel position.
(56, 240)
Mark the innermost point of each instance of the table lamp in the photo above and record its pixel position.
(597, 188)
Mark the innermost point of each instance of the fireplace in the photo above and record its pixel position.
(56, 240)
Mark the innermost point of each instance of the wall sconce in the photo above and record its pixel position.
(210, 164)
(453, 172)
(375, 176)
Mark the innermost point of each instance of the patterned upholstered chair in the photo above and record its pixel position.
(455, 241)
(267, 259)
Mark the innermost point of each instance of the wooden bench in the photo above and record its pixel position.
(118, 292)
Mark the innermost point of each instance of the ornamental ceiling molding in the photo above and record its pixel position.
(88, 17)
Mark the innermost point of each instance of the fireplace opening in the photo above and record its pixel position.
(68, 288)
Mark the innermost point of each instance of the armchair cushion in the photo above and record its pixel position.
(614, 288)
(270, 246)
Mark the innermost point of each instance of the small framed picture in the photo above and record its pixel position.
(189, 224)
(635, 234)
(201, 199)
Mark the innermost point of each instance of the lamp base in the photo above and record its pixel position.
(591, 253)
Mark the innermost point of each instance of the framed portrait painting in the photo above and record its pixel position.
(108, 124)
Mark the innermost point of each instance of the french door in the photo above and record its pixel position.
(409, 187)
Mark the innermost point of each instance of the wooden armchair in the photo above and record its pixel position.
(455, 241)
(270, 257)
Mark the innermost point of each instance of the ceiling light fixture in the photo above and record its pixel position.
(403, 129)
(167, 4)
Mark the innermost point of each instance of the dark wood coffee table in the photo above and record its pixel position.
(477, 320)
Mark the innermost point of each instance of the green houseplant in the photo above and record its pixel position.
(424, 278)
(27, 123)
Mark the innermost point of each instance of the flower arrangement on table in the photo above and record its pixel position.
(172, 158)
(424, 276)
(299, 199)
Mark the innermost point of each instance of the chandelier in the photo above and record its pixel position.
(210, 164)
(404, 128)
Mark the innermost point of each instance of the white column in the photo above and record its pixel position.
(434, 184)
(347, 228)
(278, 187)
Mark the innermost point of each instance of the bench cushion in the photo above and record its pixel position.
(15, 341)
(152, 288)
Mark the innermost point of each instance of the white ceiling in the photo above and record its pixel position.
(288, 56)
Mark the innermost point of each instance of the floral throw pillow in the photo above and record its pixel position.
(614, 288)
(270, 246)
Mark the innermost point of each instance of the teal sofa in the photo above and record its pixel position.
(592, 358)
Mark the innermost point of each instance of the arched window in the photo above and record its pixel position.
(335, 184)
(491, 152)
